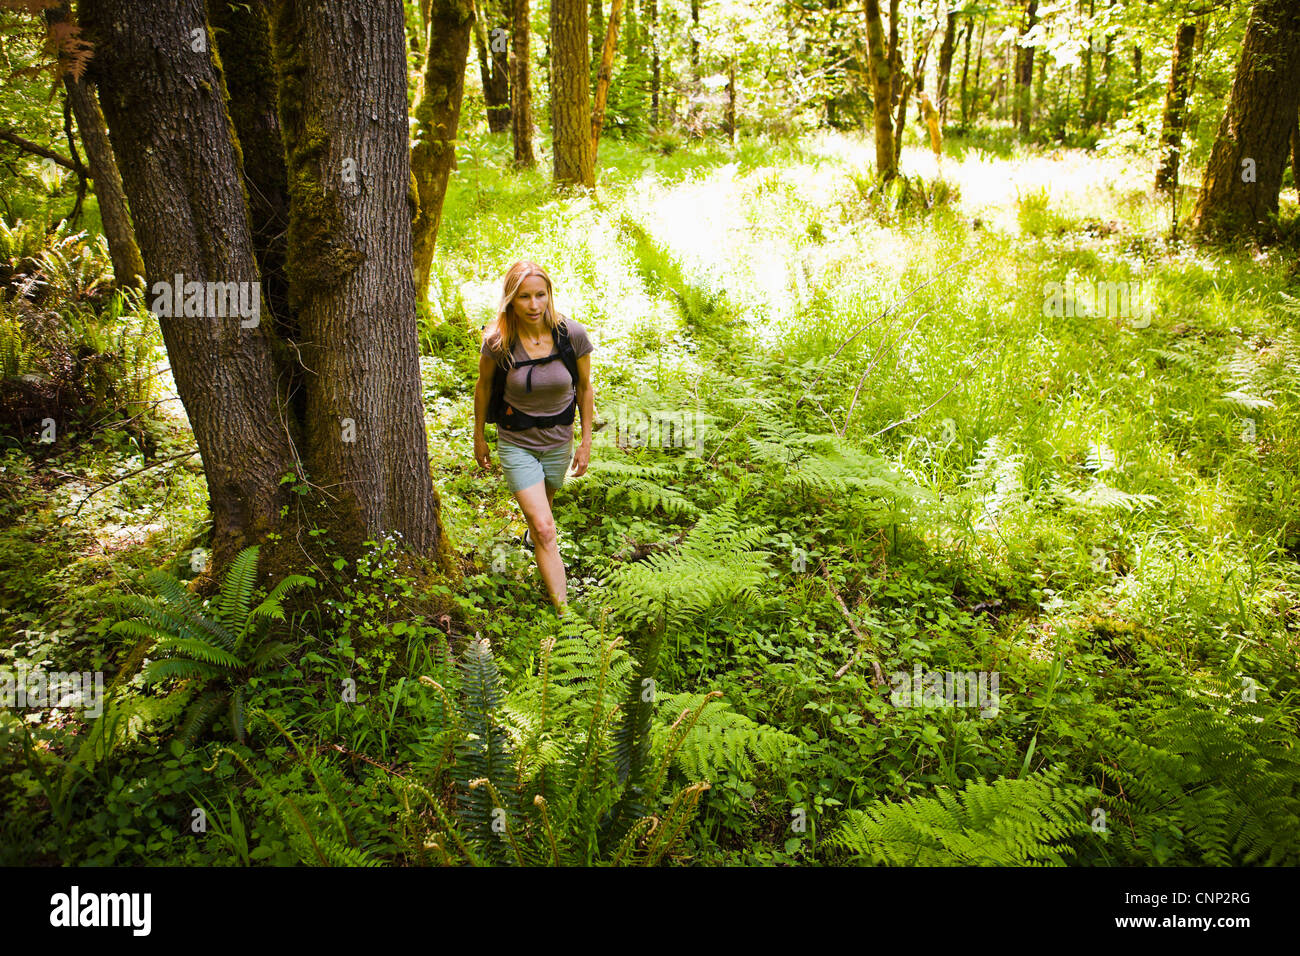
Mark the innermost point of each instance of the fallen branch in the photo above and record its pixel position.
(878, 676)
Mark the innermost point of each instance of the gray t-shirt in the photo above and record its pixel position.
(552, 391)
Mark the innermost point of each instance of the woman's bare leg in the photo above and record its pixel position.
(536, 505)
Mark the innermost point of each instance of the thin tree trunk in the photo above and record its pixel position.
(494, 65)
(114, 211)
(1171, 135)
(655, 78)
(1239, 194)
(945, 63)
(881, 92)
(570, 94)
(603, 76)
(965, 69)
(437, 119)
(521, 89)
(1086, 105)
(1025, 71)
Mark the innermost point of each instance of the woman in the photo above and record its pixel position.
(535, 459)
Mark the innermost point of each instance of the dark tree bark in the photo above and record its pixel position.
(603, 75)
(881, 92)
(1171, 134)
(128, 266)
(1239, 194)
(342, 76)
(946, 46)
(1025, 71)
(571, 94)
(521, 89)
(243, 37)
(490, 40)
(165, 106)
(437, 119)
(359, 439)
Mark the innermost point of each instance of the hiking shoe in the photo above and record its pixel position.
(528, 541)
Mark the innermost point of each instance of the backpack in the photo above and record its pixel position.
(512, 419)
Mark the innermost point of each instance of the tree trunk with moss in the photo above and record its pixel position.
(437, 119)
(114, 211)
(343, 115)
(570, 94)
(356, 440)
(521, 88)
(881, 92)
(1171, 133)
(165, 106)
(1239, 194)
(946, 48)
(603, 76)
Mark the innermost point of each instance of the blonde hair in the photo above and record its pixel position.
(502, 331)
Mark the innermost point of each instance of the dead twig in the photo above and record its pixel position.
(878, 676)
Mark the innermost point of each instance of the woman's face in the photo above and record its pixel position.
(529, 302)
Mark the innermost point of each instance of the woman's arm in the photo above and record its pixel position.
(482, 395)
(587, 407)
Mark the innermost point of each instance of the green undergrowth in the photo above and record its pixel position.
(888, 458)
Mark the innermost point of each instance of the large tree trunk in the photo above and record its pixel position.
(945, 63)
(1239, 194)
(114, 211)
(603, 76)
(493, 65)
(570, 94)
(342, 75)
(1025, 71)
(881, 92)
(521, 89)
(1171, 134)
(437, 119)
(165, 106)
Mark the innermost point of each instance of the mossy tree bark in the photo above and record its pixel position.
(521, 88)
(437, 119)
(1239, 194)
(571, 95)
(603, 75)
(358, 435)
(946, 47)
(128, 266)
(1171, 133)
(1025, 71)
(165, 105)
(243, 36)
(881, 70)
(344, 118)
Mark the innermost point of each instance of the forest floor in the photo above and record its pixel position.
(910, 432)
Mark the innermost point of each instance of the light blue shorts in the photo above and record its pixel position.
(525, 468)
